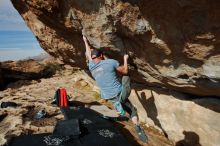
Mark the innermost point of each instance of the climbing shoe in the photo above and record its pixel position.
(141, 134)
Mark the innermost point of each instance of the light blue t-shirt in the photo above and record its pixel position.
(104, 72)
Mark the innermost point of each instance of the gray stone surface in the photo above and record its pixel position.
(104, 110)
(185, 119)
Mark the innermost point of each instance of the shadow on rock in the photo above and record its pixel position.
(127, 134)
(190, 139)
(150, 108)
(78, 103)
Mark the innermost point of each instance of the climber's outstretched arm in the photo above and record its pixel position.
(88, 49)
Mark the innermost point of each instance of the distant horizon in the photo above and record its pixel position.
(16, 40)
(21, 55)
(17, 45)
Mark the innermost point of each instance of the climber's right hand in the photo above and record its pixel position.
(126, 57)
(84, 39)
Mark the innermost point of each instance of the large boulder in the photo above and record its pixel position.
(22, 70)
(186, 120)
(171, 43)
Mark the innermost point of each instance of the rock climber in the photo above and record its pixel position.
(104, 71)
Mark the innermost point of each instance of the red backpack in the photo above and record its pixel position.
(61, 98)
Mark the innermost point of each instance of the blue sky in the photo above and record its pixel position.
(9, 17)
(16, 39)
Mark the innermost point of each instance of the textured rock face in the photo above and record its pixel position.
(192, 122)
(173, 44)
